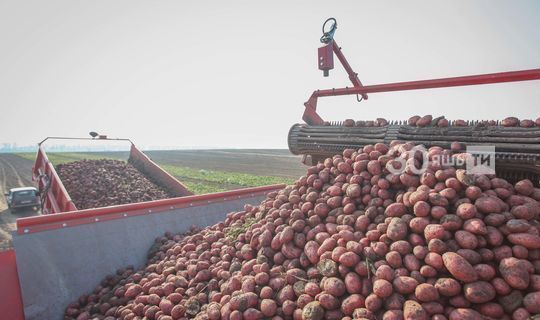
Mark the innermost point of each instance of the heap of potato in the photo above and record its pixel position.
(349, 240)
(106, 182)
(441, 121)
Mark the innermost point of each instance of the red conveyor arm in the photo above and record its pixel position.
(325, 61)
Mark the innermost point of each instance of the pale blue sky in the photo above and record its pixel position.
(236, 73)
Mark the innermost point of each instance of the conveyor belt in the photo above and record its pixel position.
(517, 149)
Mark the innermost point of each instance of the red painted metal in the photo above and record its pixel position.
(143, 163)
(326, 59)
(11, 306)
(312, 117)
(53, 193)
(67, 219)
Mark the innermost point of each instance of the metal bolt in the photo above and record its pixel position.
(97, 219)
(125, 214)
(64, 225)
(26, 230)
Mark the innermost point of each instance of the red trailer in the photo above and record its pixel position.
(59, 255)
(55, 197)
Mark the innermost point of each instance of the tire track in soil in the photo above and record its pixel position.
(14, 172)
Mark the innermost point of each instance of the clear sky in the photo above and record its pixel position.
(236, 73)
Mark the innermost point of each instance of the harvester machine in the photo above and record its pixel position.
(517, 148)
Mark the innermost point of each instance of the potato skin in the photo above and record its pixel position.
(404, 284)
(479, 292)
(448, 286)
(460, 268)
(529, 241)
(412, 310)
(514, 272)
(531, 302)
(465, 314)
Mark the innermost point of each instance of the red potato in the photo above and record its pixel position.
(412, 120)
(86, 180)
(426, 292)
(404, 285)
(529, 241)
(313, 311)
(524, 187)
(464, 314)
(448, 287)
(479, 292)
(514, 272)
(351, 303)
(510, 122)
(424, 121)
(344, 231)
(397, 229)
(466, 239)
(413, 311)
(460, 268)
(531, 302)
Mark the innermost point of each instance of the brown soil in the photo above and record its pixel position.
(14, 172)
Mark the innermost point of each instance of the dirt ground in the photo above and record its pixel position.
(14, 172)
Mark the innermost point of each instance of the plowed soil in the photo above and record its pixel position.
(14, 172)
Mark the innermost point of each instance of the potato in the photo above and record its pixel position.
(524, 187)
(511, 301)
(510, 122)
(328, 301)
(395, 210)
(487, 205)
(466, 239)
(397, 229)
(531, 302)
(448, 287)
(412, 310)
(433, 231)
(466, 211)
(479, 292)
(426, 292)
(334, 286)
(313, 311)
(529, 241)
(451, 222)
(404, 285)
(514, 272)
(460, 268)
(424, 121)
(465, 314)
(485, 271)
(352, 302)
(382, 288)
(412, 120)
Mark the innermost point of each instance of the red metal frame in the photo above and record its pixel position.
(11, 306)
(55, 198)
(143, 163)
(312, 117)
(69, 219)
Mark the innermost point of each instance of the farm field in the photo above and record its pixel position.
(202, 171)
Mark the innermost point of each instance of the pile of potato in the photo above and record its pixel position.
(106, 182)
(349, 240)
(430, 121)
